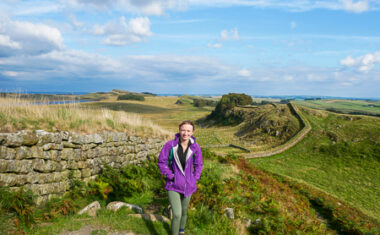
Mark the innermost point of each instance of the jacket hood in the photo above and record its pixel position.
(192, 139)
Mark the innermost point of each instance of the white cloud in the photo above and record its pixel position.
(294, 5)
(10, 73)
(293, 25)
(73, 20)
(288, 78)
(355, 6)
(216, 45)
(348, 61)
(21, 37)
(147, 7)
(123, 32)
(232, 34)
(363, 63)
(5, 41)
(244, 73)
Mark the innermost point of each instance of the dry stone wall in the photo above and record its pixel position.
(44, 161)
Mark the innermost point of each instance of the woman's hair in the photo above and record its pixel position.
(187, 122)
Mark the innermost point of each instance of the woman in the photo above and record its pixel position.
(180, 161)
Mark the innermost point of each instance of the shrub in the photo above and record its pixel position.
(204, 102)
(20, 203)
(114, 184)
(227, 103)
(131, 97)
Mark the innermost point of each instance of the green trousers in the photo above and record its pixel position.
(179, 205)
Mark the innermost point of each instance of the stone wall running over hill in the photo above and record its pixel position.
(44, 162)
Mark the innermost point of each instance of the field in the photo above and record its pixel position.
(344, 106)
(330, 179)
(341, 156)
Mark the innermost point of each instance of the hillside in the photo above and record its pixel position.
(340, 155)
(270, 124)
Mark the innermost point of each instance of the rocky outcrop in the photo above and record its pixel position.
(44, 161)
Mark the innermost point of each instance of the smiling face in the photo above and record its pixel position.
(185, 132)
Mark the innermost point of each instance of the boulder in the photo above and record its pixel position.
(90, 209)
(229, 212)
(115, 206)
(168, 212)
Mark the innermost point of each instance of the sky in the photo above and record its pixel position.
(257, 47)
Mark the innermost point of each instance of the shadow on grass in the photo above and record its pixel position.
(128, 107)
(152, 230)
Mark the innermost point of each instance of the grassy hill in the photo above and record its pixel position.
(326, 184)
(341, 156)
(364, 107)
(272, 204)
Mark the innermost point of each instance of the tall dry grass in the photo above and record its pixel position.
(20, 114)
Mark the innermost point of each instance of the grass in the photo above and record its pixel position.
(344, 106)
(19, 114)
(275, 205)
(339, 156)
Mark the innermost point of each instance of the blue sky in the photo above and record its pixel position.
(273, 47)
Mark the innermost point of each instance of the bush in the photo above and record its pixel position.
(227, 103)
(20, 203)
(131, 97)
(204, 102)
(116, 185)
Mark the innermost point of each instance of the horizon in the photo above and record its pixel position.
(195, 94)
(265, 48)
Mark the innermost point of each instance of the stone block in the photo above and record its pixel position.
(141, 147)
(95, 170)
(42, 165)
(24, 153)
(53, 146)
(14, 140)
(86, 172)
(16, 166)
(67, 154)
(45, 189)
(12, 180)
(81, 164)
(29, 138)
(112, 151)
(32, 177)
(7, 153)
(47, 137)
(77, 154)
(72, 165)
(98, 139)
(142, 155)
(63, 165)
(76, 138)
(67, 144)
(37, 152)
(65, 135)
(131, 149)
(55, 155)
(76, 174)
(3, 138)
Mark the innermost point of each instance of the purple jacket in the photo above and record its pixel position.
(178, 179)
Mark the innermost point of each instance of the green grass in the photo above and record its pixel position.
(119, 221)
(344, 106)
(339, 156)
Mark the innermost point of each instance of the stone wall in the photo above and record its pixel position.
(42, 161)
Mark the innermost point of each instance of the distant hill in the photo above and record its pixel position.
(270, 123)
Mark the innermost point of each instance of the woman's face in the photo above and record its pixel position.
(186, 131)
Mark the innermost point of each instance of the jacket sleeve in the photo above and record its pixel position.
(163, 162)
(198, 163)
